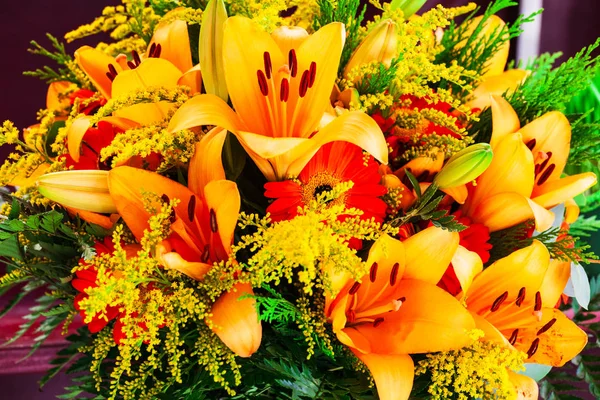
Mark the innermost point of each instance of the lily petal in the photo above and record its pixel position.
(526, 387)
(95, 65)
(467, 265)
(175, 44)
(205, 109)
(151, 72)
(289, 37)
(195, 270)
(555, 281)
(507, 82)
(509, 209)
(324, 48)
(557, 191)
(504, 119)
(75, 134)
(511, 170)
(428, 320)
(192, 78)
(393, 374)
(236, 322)
(242, 58)
(559, 344)
(353, 127)
(206, 165)
(424, 264)
(524, 268)
(223, 198)
(552, 133)
(127, 186)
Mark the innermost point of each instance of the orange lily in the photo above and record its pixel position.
(202, 231)
(513, 301)
(495, 81)
(280, 85)
(397, 309)
(523, 180)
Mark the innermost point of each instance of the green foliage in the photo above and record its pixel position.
(345, 11)
(426, 209)
(471, 52)
(562, 385)
(585, 226)
(532, 99)
(561, 245)
(57, 54)
(380, 81)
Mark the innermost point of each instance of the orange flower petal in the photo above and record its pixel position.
(206, 109)
(467, 265)
(236, 321)
(223, 198)
(555, 281)
(524, 268)
(175, 44)
(504, 119)
(424, 264)
(525, 387)
(559, 190)
(428, 320)
(393, 374)
(95, 65)
(195, 270)
(504, 210)
(206, 165)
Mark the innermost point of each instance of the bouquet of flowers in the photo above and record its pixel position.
(283, 200)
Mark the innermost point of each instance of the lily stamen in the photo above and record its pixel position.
(192, 208)
(392, 306)
(498, 302)
(293, 63)
(268, 64)
(546, 327)
(513, 337)
(520, 297)
(534, 347)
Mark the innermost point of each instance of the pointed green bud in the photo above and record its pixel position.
(210, 48)
(408, 7)
(465, 166)
(83, 190)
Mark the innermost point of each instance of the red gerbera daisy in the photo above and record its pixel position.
(85, 279)
(334, 163)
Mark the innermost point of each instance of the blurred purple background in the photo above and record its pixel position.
(567, 26)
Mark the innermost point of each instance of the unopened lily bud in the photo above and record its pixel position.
(210, 48)
(380, 45)
(82, 190)
(408, 7)
(235, 320)
(465, 166)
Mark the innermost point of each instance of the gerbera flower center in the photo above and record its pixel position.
(319, 183)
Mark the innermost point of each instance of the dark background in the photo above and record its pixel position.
(567, 26)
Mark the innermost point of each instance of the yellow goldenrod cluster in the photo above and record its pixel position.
(123, 46)
(190, 15)
(301, 249)
(267, 14)
(133, 17)
(175, 148)
(154, 94)
(479, 371)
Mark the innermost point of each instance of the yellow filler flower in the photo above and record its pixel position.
(280, 85)
(397, 309)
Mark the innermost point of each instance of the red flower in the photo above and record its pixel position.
(475, 238)
(429, 128)
(334, 163)
(94, 140)
(84, 94)
(85, 279)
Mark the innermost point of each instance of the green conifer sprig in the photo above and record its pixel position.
(531, 100)
(473, 53)
(56, 53)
